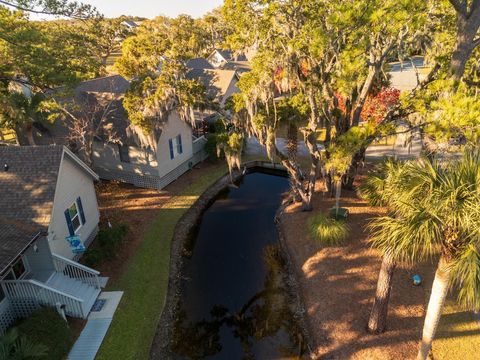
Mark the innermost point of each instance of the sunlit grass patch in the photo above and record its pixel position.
(458, 335)
(327, 231)
(145, 280)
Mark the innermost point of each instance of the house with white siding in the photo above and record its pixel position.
(169, 152)
(48, 217)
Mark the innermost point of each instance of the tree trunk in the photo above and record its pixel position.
(435, 306)
(353, 169)
(89, 155)
(467, 28)
(338, 191)
(367, 85)
(378, 316)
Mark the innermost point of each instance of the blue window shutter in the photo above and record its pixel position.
(179, 144)
(80, 210)
(69, 223)
(170, 144)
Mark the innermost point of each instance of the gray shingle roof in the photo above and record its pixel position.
(114, 87)
(114, 84)
(15, 236)
(216, 82)
(198, 63)
(28, 187)
(226, 54)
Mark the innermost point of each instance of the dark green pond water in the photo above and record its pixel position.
(234, 299)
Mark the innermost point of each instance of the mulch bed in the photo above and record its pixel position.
(338, 285)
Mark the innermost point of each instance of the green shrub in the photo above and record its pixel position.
(109, 239)
(106, 245)
(14, 345)
(211, 147)
(92, 257)
(327, 231)
(45, 326)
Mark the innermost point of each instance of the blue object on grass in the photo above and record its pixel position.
(417, 280)
(76, 244)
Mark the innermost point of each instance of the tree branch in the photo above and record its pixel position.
(475, 5)
(74, 12)
(459, 6)
(476, 42)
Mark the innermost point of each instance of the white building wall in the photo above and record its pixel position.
(72, 183)
(142, 162)
(216, 60)
(173, 127)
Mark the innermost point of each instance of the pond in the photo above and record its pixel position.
(234, 299)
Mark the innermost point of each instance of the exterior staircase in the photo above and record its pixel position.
(72, 286)
(76, 288)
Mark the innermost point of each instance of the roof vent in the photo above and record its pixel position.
(5, 167)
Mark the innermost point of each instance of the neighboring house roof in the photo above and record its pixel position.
(29, 179)
(114, 84)
(113, 88)
(226, 54)
(130, 23)
(229, 55)
(198, 63)
(216, 82)
(240, 67)
(15, 237)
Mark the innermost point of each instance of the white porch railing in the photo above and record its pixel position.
(26, 295)
(199, 143)
(76, 271)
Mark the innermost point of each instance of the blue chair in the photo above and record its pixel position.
(76, 244)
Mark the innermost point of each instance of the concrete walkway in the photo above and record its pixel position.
(403, 149)
(90, 340)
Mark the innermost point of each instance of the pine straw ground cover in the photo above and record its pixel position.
(338, 285)
(141, 267)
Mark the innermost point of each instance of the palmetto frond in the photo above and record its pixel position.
(379, 188)
(434, 208)
(466, 277)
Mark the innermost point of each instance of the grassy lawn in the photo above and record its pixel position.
(146, 278)
(458, 335)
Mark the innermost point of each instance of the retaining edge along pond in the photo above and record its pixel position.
(294, 285)
(184, 230)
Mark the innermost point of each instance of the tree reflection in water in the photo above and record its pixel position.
(265, 315)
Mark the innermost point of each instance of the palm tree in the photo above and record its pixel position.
(380, 189)
(337, 166)
(15, 346)
(436, 212)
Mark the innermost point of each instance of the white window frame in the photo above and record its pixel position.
(175, 147)
(77, 216)
(10, 271)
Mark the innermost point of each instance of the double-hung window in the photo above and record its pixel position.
(75, 217)
(175, 145)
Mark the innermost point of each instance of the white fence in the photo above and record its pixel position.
(26, 296)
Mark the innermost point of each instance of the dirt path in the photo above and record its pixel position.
(338, 286)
